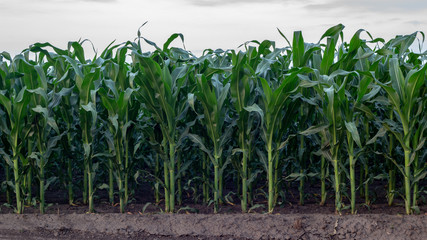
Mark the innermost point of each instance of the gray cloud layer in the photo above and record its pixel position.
(372, 6)
(214, 3)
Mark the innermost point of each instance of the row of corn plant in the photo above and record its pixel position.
(263, 118)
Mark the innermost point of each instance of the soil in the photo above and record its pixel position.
(310, 221)
(212, 226)
(197, 221)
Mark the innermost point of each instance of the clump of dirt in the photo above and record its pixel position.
(212, 226)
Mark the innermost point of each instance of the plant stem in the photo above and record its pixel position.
(29, 174)
(352, 172)
(205, 167)
(391, 171)
(42, 201)
(29, 185)
(302, 166)
(244, 181)
(337, 185)
(41, 170)
(8, 192)
(121, 197)
(157, 173)
(85, 182)
(19, 207)
(90, 189)
(126, 171)
(70, 181)
(166, 178)
(270, 180)
(352, 184)
(216, 183)
(407, 181)
(220, 182)
(366, 172)
(119, 162)
(322, 181)
(172, 177)
(415, 187)
(179, 179)
(110, 181)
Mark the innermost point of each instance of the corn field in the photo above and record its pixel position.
(250, 124)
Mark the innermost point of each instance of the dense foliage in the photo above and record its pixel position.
(247, 124)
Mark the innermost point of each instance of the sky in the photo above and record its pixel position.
(205, 24)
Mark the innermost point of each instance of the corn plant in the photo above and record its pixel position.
(131, 115)
(86, 79)
(241, 87)
(16, 106)
(404, 94)
(277, 111)
(116, 102)
(159, 91)
(62, 102)
(43, 122)
(214, 109)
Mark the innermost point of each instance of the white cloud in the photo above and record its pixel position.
(228, 2)
(378, 6)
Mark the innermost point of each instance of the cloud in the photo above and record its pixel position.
(100, 1)
(73, 1)
(415, 22)
(371, 6)
(214, 3)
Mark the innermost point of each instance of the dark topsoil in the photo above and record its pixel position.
(289, 221)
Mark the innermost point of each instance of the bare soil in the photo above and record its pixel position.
(212, 226)
(290, 222)
(197, 221)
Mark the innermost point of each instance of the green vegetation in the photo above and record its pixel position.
(333, 115)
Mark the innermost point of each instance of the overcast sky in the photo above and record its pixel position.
(204, 23)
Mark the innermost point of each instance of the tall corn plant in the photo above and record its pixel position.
(5, 83)
(331, 97)
(35, 79)
(302, 56)
(15, 102)
(353, 110)
(87, 76)
(212, 95)
(159, 90)
(240, 88)
(63, 103)
(405, 97)
(277, 110)
(117, 70)
(358, 90)
(116, 102)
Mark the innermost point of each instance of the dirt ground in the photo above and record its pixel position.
(197, 221)
(210, 226)
(290, 222)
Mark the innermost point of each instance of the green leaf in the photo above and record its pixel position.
(379, 134)
(198, 141)
(397, 79)
(255, 108)
(351, 127)
(328, 57)
(314, 129)
(90, 107)
(6, 102)
(284, 143)
(298, 49)
(170, 40)
(266, 89)
(333, 31)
